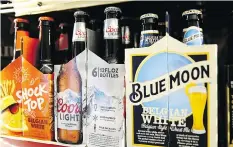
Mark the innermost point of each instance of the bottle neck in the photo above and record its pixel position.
(18, 37)
(79, 37)
(193, 23)
(69, 67)
(112, 15)
(21, 30)
(21, 26)
(148, 26)
(46, 43)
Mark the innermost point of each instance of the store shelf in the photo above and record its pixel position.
(27, 142)
(29, 7)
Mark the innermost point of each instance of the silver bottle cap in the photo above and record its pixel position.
(114, 9)
(191, 11)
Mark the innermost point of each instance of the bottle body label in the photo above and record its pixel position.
(193, 36)
(79, 33)
(111, 28)
(149, 37)
(69, 109)
(125, 31)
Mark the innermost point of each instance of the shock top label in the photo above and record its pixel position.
(69, 110)
(111, 28)
(149, 37)
(79, 33)
(193, 36)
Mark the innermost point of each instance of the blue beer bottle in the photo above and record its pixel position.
(193, 34)
(149, 31)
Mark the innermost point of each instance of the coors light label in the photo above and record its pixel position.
(69, 109)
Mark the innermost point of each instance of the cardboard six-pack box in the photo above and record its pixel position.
(171, 95)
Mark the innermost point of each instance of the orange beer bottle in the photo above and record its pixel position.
(21, 29)
(69, 82)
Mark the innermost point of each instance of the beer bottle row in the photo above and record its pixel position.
(119, 32)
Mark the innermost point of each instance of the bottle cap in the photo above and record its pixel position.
(80, 12)
(45, 18)
(192, 11)
(149, 15)
(20, 20)
(112, 9)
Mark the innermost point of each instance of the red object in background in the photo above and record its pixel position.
(63, 42)
(5, 142)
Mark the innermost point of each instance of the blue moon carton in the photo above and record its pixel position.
(171, 95)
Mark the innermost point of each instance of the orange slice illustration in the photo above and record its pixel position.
(13, 122)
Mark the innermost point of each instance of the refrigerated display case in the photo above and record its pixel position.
(217, 29)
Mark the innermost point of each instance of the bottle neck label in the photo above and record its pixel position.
(125, 35)
(193, 36)
(111, 28)
(79, 33)
(148, 37)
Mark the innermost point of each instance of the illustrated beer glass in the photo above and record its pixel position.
(197, 98)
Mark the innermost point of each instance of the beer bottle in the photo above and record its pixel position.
(63, 45)
(192, 31)
(126, 31)
(46, 38)
(46, 47)
(21, 29)
(112, 36)
(149, 32)
(69, 87)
